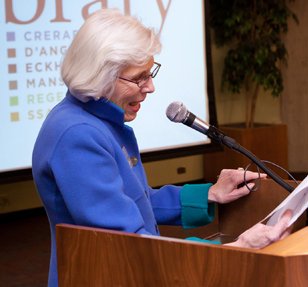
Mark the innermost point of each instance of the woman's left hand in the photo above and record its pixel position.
(261, 235)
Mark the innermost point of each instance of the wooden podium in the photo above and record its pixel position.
(98, 257)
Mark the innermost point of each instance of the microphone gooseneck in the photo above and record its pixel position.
(178, 113)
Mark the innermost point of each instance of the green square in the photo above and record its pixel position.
(14, 101)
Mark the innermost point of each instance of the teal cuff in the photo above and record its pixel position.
(197, 239)
(196, 211)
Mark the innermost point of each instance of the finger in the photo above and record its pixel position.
(282, 225)
(288, 214)
(249, 175)
(287, 232)
(240, 176)
(246, 188)
(238, 193)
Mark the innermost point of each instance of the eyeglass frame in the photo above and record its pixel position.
(146, 78)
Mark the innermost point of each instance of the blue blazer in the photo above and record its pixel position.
(87, 170)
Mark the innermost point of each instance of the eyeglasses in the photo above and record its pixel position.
(143, 80)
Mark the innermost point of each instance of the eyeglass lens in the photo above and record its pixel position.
(152, 75)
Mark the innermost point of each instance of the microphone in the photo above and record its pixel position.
(178, 113)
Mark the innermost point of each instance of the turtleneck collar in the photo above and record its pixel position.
(101, 108)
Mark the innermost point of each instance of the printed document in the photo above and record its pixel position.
(297, 202)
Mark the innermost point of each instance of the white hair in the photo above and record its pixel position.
(106, 43)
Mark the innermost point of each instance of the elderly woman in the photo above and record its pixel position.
(86, 162)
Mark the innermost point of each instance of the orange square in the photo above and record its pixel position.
(12, 68)
(15, 117)
(13, 85)
(11, 53)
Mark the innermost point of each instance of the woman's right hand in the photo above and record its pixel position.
(227, 188)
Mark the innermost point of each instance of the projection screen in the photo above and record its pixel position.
(35, 35)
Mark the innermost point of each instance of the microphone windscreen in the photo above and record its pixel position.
(176, 112)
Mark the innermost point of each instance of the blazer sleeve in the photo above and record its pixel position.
(187, 205)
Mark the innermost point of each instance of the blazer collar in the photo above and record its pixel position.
(101, 108)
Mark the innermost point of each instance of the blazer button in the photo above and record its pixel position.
(133, 161)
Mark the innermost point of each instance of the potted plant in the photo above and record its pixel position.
(253, 33)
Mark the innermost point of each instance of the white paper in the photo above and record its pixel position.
(297, 202)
